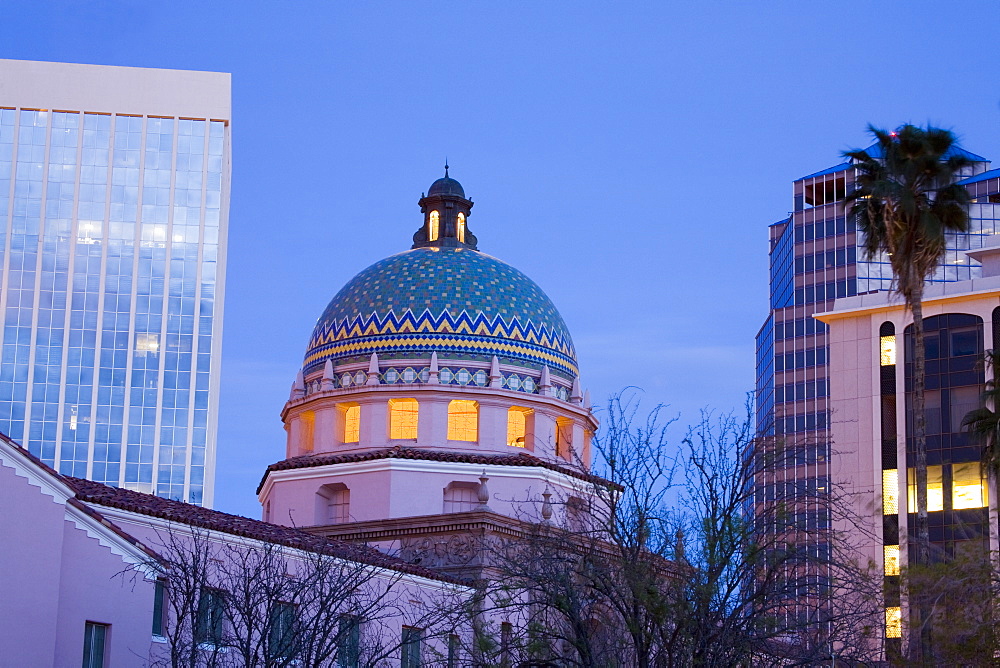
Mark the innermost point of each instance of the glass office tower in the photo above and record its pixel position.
(816, 257)
(113, 213)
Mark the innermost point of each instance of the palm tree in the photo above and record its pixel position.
(984, 422)
(905, 201)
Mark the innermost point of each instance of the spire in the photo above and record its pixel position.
(496, 380)
(373, 370)
(327, 382)
(446, 167)
(432, 377)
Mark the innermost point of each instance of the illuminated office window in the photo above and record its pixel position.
(890, 492)
(887, 350)
(935, 489)
(890, 555)
(460, 227)
(435, 226)
(968, 489)
(893, 622)
(463, 420)
(352, 423)
(403, 418)
(517, 426)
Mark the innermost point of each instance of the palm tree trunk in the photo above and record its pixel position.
(920, 432)
(919, 622)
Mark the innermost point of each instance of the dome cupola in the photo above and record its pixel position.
(446, 215)
(445, 297)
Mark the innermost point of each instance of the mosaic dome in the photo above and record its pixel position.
(458, 302)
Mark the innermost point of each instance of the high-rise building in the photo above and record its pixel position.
(114, 199)
(871, 352)
(816, 257)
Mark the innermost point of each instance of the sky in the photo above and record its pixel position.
(628, 156)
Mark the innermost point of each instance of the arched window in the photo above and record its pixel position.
(463, 420)
(403, 419)
(461, 496)
(352, 423)
(517, 426)
(434, 229)
(460, 227)
(333, 504)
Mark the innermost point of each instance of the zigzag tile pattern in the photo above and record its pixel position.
(455, 300)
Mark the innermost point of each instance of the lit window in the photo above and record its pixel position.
(463, 420)
(935, 489)
(435, 226)
(147, 344)
(893, 622)
(307, 431)
(564, 439)
(403, 418)
(460, 231)
(890, 492)
(887, 350)
(517, 426)
(968, 489)
(890, 555)
(352, 424)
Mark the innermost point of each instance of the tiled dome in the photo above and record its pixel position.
(457, 302)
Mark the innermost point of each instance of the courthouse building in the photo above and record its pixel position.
(439, 404)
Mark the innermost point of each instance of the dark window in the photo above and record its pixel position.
(281, 627)
(211, 622)
(506, 632)
(349, 637)
(410, 654)
(454, 650)
(158, 603)
(94, 637)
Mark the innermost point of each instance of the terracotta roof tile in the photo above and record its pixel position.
(197, 516)
(399, 452)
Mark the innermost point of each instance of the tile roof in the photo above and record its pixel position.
(399, 452)
(197, 516)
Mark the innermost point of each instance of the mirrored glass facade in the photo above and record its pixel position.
(112, 245)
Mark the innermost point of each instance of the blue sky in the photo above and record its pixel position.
(627, 156)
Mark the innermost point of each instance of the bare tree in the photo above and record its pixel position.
(683, 561)
(247, 602)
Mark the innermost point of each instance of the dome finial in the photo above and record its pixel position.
(446, 167)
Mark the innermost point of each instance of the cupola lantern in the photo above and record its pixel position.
(446, 216)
